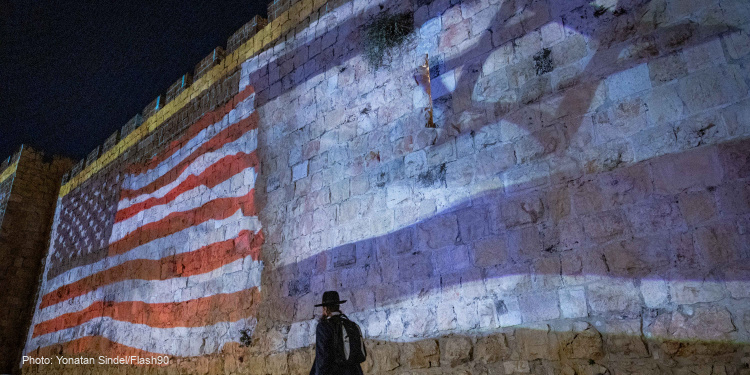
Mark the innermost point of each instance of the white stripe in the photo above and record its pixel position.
(247, 143)
(237, 186)
(233, 277)
(185, 241)
(178, 341)
(185, 151)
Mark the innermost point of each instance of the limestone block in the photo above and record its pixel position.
(734, 198)
(704, 55)
(528, 208)
(697, 207)
(536, 342)
(490, 251)
(420, 354)
(439, 231)
(508, 311)
(629, 82)
(621, 299)
(492, 349)
(702, 323)
(689, 292)
(526, 176)
(717, 243)
(516, 367)
(385, 356)
(667, 68)
(376, 324)
(711, 87)
(451, 259)
(300, 361)
(655, 293)
(654, 141)
(586, 344)
(454, 350)
(299, 171)
(278, 363)
(605, 226)
(573, 303)
(570, 50)
(537, 307)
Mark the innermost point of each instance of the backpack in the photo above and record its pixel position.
(349, 345)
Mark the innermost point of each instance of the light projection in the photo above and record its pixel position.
(583, 200)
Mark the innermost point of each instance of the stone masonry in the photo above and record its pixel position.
(583, 206)
(24, 235)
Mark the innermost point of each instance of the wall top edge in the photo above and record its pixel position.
(266, 36)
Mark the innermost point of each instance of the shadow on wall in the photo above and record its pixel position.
(622, 36)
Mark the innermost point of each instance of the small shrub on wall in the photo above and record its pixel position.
(383, 33)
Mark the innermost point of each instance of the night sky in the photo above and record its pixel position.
(73, 72)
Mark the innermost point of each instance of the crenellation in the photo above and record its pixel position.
(152, 107)
(178, 87)
(582, 210)
(208, 62)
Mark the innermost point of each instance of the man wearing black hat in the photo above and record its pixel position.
(325, 355)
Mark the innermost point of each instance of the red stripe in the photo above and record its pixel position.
(217, 173)
(193, 313)
(230, 134)
(202, 123)
(217, 209)
(205, 259)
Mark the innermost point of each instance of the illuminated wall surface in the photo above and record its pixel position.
(583, 206)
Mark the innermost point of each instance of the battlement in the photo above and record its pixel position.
(286, 17)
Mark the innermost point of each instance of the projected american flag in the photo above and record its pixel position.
(181, 275)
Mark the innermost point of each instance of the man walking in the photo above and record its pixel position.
(339, 344)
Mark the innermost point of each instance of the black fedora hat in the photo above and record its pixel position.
(330, 297)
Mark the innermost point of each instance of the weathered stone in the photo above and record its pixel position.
(539, 307)
(585, 345)
(490, 251)
(300, 361)
(629, 82)
(708, 88)
(702, 323)
(278, 363)
(420, 354)
(439, 231)
(491, 349)
(535, 343)
(690, 169)
(454, 351)
(655, 293)
(690, 292)
(385, 356)
(697, 207)
(523, 210)
(620, 299)
(573, 303)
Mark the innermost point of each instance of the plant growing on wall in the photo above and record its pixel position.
(246, 337)
(384, 32)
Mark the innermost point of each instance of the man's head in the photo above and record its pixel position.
(330, 303)
(328, 309)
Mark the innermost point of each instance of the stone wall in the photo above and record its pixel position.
(28, 209)
(575, 195)
(581, 208)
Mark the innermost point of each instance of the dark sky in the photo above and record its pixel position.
(72, 72)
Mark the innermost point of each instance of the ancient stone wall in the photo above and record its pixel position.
(581, 208)
(28, 199)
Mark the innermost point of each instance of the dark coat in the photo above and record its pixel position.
(324, 363)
